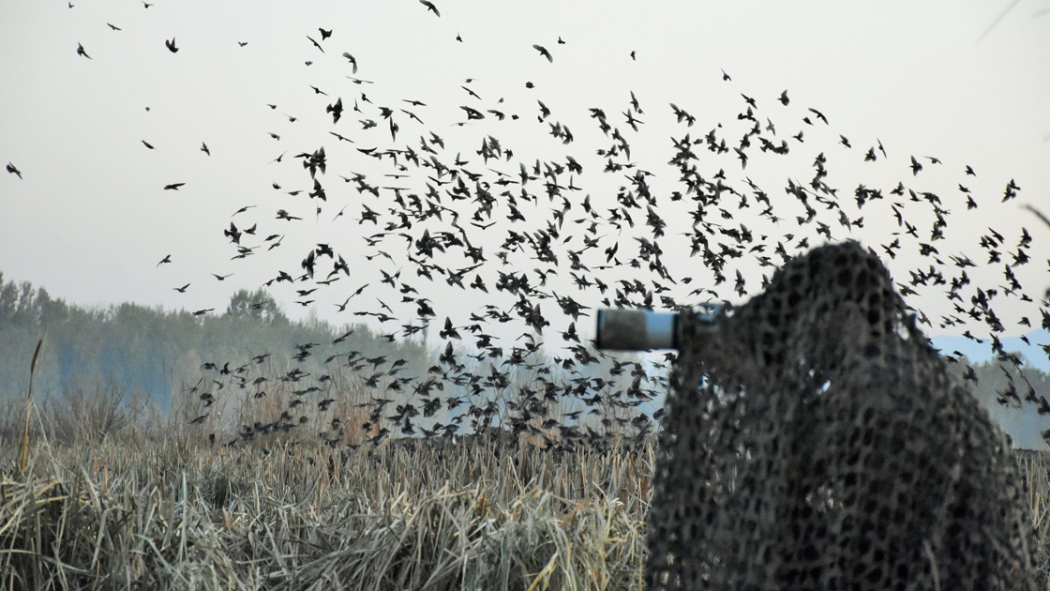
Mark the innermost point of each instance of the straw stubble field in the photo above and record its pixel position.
(138, 508)
(117, 497)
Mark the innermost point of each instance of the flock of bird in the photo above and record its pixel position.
(527, 233)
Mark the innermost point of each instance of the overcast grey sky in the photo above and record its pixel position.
(90, 218)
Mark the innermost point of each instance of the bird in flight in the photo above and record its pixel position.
(316, 44)
(915, 166)
(11, 169)
(80, 51)
(182, 289)
(171, 45)
(430, 6)
(204, 148)
(353, 62)
(173, 186)
(166, 259)
(325, 34)
(242, 43)
(148, 145)
(543, 51)
(221, 277)
(1038, 214)
(114, 27)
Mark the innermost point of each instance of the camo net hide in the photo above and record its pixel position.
(816, 441)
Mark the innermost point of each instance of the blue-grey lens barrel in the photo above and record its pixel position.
(636, 330)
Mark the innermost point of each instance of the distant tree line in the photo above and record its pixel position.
(1017, 398)
(153, 350)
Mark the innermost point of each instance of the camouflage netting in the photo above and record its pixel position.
(816, 441)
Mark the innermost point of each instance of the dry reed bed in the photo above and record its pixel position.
(176, 515)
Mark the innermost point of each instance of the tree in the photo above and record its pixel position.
(259, 306)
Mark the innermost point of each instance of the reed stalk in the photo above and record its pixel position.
(23, 453)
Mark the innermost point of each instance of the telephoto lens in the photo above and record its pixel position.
(644, 330)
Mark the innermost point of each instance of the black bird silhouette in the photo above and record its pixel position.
(325, 34)
(166, 259)
(242, 43)
(1038, 214)
(11, 169)
(544, 111)
(915, 166)
(473, 113)
(725, 77)
(204, 148)
(221, 277)
(171, 45)
(147, 144)
(543, 51)
(114, 27)
(449, 331)
(784, 100)
(819, 115)
(430, 6)
(316, 44)
(337, 111)
(173, 186)
(80, 51)
(353, 62)
(182, 289)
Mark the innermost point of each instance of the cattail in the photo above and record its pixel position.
(23, 454)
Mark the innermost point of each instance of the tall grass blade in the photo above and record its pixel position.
(23, 453)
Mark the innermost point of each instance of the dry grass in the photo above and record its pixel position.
(121, 506)
(177, 515)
